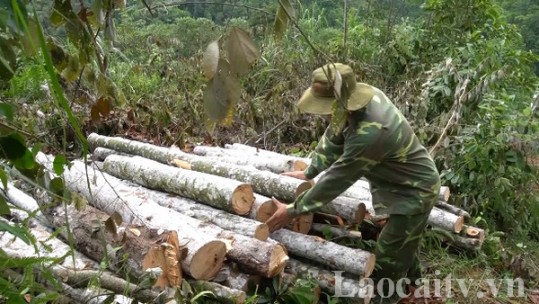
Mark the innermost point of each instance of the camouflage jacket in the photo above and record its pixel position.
(378, 144)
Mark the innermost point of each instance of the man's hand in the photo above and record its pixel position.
(280, 218)
(296, 174)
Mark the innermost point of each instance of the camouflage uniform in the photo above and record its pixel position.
(379, 144)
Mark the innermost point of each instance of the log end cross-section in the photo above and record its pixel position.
(208, 260)
(242, 199)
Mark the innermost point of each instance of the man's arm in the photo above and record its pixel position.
(359, 157)
(328, 150)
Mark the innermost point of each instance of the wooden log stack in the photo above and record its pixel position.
(192, 214)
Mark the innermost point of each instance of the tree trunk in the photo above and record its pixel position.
(333, 255)
(333, 284)
(112, 195)
(100, 153)
(202, 212)
(72, 261)
(445, 220)
(263, 208)
(216, 191)
(332, 232)
(263, 182)
(94, 231)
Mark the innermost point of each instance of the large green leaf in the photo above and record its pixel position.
(221, 94)
(12, 148)
(282, 19)
(58, 164)
(241, 50)
(211, 59)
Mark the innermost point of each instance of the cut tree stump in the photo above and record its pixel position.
(222, 193)
(327, 253)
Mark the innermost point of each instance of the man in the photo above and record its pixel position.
(377, 143)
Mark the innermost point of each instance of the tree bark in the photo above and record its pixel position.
(263, 208)
(216, 191)
(223, 219)
(332, 232)
(470, 238)
(327, 253)
(445, 220)
(263, 182)
(100, 153)
(337, 285)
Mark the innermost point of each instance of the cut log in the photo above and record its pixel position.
(263, 208)
(139, 248)
(100, 153)
(445, 220)
(161, 154)
(203, 212)
(50, 247)
(470, 238)
(332, 232)
(352, 211)
(337, 285)
(273, 162)
(327, 253)
(444, 194)
(224, 294)
(263, 182)
(216, 191)
(112, 195)
(453, 209)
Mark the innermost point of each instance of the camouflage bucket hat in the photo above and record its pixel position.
(319, 98)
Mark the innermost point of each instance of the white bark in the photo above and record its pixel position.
(453, 209)
(24, 201)
(263, 208)
(327, 253)
(223, 219)
(216, 191)
(445, 220)
(351, 210)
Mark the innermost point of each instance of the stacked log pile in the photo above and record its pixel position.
(199, 216)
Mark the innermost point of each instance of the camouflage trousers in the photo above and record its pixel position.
(396, 255)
